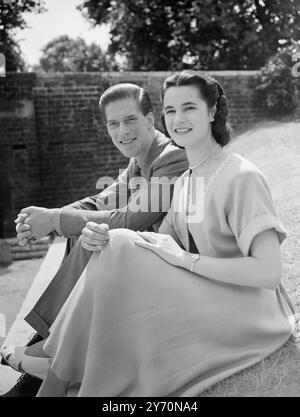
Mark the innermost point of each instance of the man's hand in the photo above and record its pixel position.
(39, 220)
(24, 234)
(94, 236)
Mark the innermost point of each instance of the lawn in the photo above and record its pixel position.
(275, 148)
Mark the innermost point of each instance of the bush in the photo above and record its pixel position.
(277, 89)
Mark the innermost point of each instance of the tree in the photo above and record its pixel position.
(11, 17)
(66, 54)
(205, 34)
(277, 88)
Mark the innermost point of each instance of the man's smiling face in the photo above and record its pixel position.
(130, 130)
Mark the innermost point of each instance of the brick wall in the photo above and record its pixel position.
(19, 159)
(53, 144)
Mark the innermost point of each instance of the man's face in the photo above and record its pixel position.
(130, 130)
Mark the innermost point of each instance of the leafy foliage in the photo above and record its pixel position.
(74, 55)
(278, 89)
(11, 17)
(203, 34)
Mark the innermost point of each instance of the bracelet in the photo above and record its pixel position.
(196, 257)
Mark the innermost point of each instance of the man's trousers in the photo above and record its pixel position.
(45, 311)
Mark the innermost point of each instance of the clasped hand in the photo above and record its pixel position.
(163, 245)
(33, 223)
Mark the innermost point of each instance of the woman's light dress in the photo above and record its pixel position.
(135, 325)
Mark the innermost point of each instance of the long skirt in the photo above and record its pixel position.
(135, 325)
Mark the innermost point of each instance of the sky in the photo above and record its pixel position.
(62, 18)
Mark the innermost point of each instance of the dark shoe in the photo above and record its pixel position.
(27, 386)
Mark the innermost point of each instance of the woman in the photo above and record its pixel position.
(202, 299)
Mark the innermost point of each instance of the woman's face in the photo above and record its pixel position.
(187, 116)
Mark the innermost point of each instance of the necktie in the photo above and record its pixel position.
(134, 181)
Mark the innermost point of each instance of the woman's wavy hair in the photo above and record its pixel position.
(211, 92)
(123, 91)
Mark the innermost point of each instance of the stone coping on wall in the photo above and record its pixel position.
(231, 73)
(37, 250)
(42, 79)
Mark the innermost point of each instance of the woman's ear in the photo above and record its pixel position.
(212, 113)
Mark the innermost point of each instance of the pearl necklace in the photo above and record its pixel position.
(206, 157)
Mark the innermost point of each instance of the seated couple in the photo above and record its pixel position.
(172, 311)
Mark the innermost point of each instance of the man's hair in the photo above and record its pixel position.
(123, 91)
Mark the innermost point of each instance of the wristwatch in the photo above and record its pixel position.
(195, 257)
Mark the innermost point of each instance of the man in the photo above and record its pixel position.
(127, 112)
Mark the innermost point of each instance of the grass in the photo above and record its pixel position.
(275, 148)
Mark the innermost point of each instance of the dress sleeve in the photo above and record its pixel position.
(251, 210)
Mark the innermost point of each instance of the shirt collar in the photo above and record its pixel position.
(158, 144)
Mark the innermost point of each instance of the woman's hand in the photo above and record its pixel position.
(163, 245)
(94, 236)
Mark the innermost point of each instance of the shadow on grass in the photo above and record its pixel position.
(276, 376)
